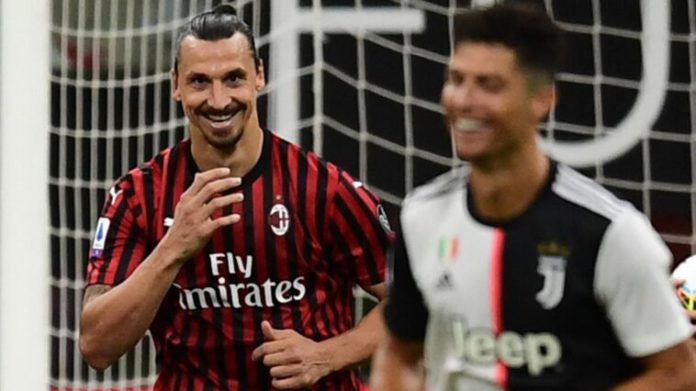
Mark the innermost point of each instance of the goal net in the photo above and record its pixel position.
(358, 81)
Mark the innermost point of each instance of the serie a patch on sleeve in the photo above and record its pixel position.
(383, 219)
(100, 237)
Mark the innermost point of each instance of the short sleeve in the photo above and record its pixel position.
(119, 244)
(405, 313)
(632, 281)
(360, 230)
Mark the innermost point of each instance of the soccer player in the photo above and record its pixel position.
(236, 249)
(519, 273)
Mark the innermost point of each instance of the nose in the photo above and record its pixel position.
(218, 98)
(462, 96)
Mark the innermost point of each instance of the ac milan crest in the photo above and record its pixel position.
(279, 219)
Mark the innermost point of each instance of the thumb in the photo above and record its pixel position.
(268, 330)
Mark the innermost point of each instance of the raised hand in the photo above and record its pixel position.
(294, 361)
(193, 224)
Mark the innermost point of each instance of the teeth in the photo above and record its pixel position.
(219, 118)
(466, 124)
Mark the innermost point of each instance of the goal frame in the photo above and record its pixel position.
(24, 234)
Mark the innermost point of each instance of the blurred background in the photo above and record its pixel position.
(358, 81)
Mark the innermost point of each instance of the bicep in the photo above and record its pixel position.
(670, 358)
(407, 350)
(668, 369)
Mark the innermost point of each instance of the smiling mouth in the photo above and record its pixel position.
(221, 121)
(219, 117)
(468, 125)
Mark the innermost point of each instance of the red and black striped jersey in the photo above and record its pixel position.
(308, 233)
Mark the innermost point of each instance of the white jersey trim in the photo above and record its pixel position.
(580, 190)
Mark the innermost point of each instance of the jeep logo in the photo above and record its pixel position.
(481, 346)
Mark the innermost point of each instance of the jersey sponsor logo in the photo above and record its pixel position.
(224, 294)
(114, 193)
(535, 351)
(100, 236)
(279, 219)
(237, 295)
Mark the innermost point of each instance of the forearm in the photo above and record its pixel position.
(672, 369)
(357, 344)
(663, 380)
(116, 320)
(397, 366)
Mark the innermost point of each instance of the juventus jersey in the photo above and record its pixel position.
(307, 235)
(562, 297)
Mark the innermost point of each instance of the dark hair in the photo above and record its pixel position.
(525, 28)
(219, 23)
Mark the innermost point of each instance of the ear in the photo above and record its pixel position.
(176, 93)
(543, 101)
(260, 77)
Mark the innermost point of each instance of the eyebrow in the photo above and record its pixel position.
(238, 72)
(448, 72)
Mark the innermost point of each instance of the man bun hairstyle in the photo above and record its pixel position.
(221, 22)
(524, 27)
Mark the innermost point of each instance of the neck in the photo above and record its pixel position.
(240, 158)
(503, 190)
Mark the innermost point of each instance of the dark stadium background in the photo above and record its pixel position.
(621, 57)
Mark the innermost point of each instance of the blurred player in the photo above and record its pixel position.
(519, 273)
(236, 249)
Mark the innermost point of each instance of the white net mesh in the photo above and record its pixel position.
(367, 99)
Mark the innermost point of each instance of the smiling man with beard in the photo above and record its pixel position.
(237, 250)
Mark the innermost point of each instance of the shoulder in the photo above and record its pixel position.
(146, 176)
(317, 169)
(433, 201)
(438, 188)
(585, 193)
(154, 168)
(624, 229)
(308, 159)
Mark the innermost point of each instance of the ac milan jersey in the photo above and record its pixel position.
(563, 297)
(308, 233)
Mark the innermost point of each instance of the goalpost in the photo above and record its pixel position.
(365, 98)
(24, 113)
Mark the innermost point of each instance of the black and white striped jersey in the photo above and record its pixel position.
(562, 297)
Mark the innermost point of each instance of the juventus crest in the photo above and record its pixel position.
(552, 268)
